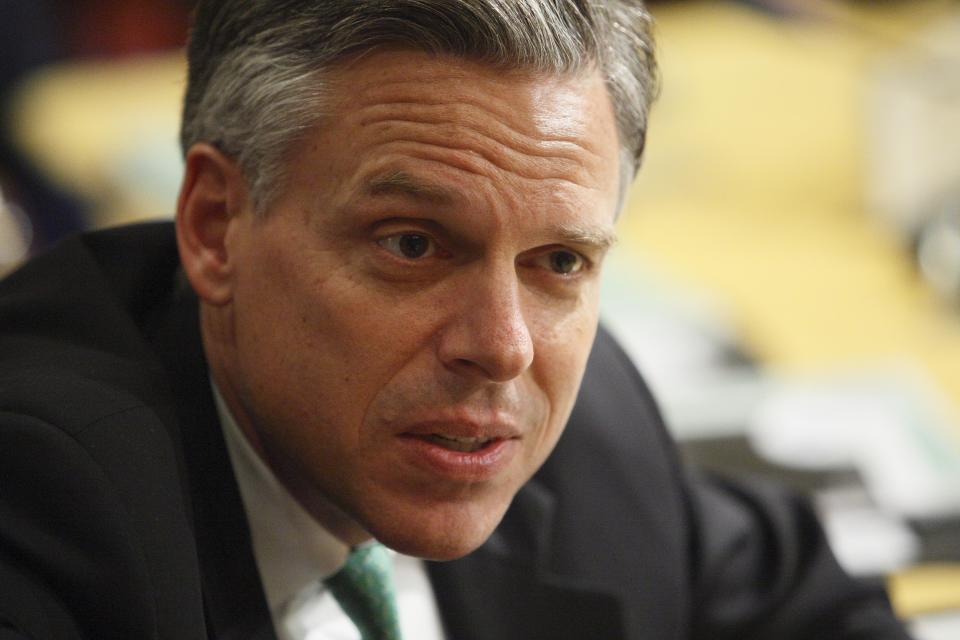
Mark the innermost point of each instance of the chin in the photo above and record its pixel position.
(448, 546)
(443, 533)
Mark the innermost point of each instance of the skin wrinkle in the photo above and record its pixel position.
(472, 163)
(387, 90)
(526, 156)
(447, 156)
(465, 109)
(402, 184)
(593, 241)
(445, 161)
(517, 143)
(514, 167)
(605, 236)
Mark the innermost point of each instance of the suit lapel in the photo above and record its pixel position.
(233, 596)
(504, 590)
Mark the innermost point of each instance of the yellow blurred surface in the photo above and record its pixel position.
(926, 589)
(98, 127)
(753, 189)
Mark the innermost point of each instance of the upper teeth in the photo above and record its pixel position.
(457, 443)
(457, 438)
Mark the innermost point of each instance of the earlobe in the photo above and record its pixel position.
(212, 197)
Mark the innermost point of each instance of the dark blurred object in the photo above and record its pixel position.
(51, 211)
(118, 28)
(30, 37)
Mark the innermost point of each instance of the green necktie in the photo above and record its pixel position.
(364, 590)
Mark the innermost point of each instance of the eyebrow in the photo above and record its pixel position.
(403, 184)
(600, 238)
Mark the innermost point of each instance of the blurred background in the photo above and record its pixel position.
(788, 275)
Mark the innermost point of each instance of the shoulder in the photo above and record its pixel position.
(616, 436)
(88, 471)
(621, 515)
(92, 501)
(73, 349)
(92, 497)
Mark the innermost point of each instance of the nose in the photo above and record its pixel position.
(486, 334)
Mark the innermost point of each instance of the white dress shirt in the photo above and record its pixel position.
(294, 554)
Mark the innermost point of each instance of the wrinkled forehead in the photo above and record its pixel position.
(384, 71)
(563, 119)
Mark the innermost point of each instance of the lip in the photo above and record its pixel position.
(462, 426)
(466, 467)
(502, 443)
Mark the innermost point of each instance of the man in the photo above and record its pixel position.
(371, 323)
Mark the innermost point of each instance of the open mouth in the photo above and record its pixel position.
(455, 443)
(460, 457)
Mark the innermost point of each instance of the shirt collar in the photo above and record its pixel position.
(292, 550)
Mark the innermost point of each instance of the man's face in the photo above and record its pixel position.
(410, 322)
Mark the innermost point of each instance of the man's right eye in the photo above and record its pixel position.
(410, 246)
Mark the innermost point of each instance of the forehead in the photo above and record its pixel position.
(552, 116)
(443, 128)
(393, 73)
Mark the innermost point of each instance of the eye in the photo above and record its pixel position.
(565, 262)
(411, 246)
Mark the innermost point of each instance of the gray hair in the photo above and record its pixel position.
(256, 66)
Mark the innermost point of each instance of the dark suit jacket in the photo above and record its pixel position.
(120, 516)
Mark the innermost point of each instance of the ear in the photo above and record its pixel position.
(212, 196)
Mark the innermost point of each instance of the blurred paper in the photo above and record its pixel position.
(939, 626)
(913, 115)
(866, 541)
(892, 427)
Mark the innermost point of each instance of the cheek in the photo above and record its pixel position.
(283, 330)
(563, 343)
(561, 356)
(335, 346)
